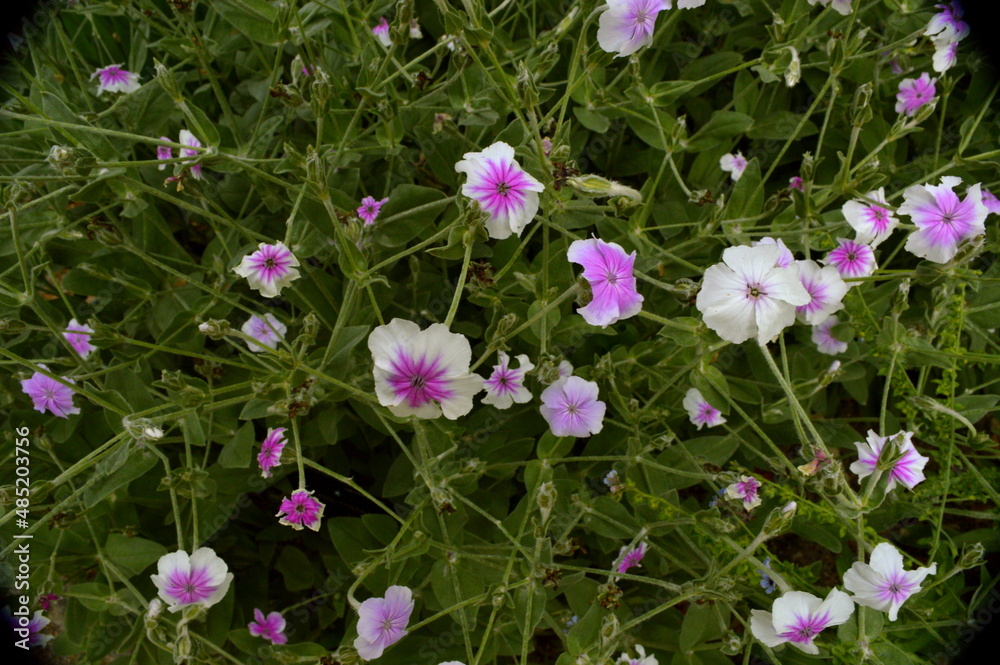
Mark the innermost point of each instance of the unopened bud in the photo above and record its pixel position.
(61, 159)
(596, 186)
(546, 498)
(215, 328)
(972, 555)
(861, 107)
(793, 73)
(167, 81)
(780, 519)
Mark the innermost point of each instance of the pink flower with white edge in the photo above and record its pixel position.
(825, 287)
(31, 630)
(301, 511)
(370, 208)
(641, 659)
(78, 335)
(991, 202)
(423, 373)
(873, 222)
(943, 220)
(626, 26)
(270, 450)
(608, 270)
(734, 164)
(798, 617)
(506, 385)
(270, 269)
(630, 558)
(115, 79)
(747, 490)
(382, 621)
(796, 182)
(164, 152)
(381, 32)
(914, 94)
(908, 469)
(270, 627)
(184, 580)
(852, 259)
(507, 194)
(187, 138)
(822, 337)
(571, 408)
(785, 258)
(47, 394)
(700, 412)
(842, 7)
(267, 330)
(947, 25)
(748, 295)
(883, 584)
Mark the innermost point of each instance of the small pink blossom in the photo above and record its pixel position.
(270, 627)
(382, 621)
(945, 56)
(50, 395)
(32, 631)
(826, 289)
(699, 411)
(734, 164)
(381, 32)
(78, 336)
(115, 79)
(164, 152)
(187, 138)
(505, 191)
(608, 270)
(873, 222)
(852, 259)
(506, 385)
(370, 208)
(626, 26)
(795, 182)
(914, 94)
(943, 220)
(270, 450)
(301, 510)
(183, 580)
(908, 470)
(270, 269)
(947, 25)
(266, 331)
(747, 490)
(571, 408)
(991, 202)
(883, 584)
(822, 336)
(630, 558)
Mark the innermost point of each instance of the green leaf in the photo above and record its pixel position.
(138, 463)
(132, 555)
(238, 452)
(721, 127)
(295, 568)
(410, 210)
(254, 18)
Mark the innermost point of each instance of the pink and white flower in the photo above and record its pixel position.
(506, 385)
(734, 164)
(822, 337)
(382, 621)
(852, 259)
(630, 558)
(991, 202)
(187, 138)
(700, 412)
(184, 580)
(370, 208)
(785, 258)
(747, 490)
(270, 627)
(748, 295)
(798, 617)
(914, 94)
(423, 373)
(947, 25)
(301, 511)
(796, 182)
(32, 632)
(825, 287)
(908, 469)
(270, 450)
(381, 32)
(115, 79)
(270, 269)
(842, 7)
(626, 26)
(872, 222)
(642, 658)
(943, 220)
(267, 330)
(608, 270)
(78, 335)
(503, 189)
(47, 394)
(945, 56)
(565, 369)
(571, 408)
(164, 152)
(883, 584)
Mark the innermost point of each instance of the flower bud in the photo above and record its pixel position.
(596, 186)
(546, 498)
(215, 328)
(154, 612)
(861, 107)
(167, 81)
(780, 519)
(61, 159)
(972, 555)
(793, 73)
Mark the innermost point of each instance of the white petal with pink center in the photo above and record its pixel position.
(505, 387)
(883, 584)
(873, 222)
(184, 580)
(503, 189)
(826, 289)
(798, 617)
(699, 411)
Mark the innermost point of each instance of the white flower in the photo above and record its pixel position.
(822, 336)
(267, 330)
(700, 412)
(797, 617)
(269, 269)
(152, 433)
(873, 223)
(908, 469)
(735, 165)
(506, 385)
(882, 584)
(643, 659)
(825, 287)
(842, 7)
(201, 578)
(748, 295)
(786, 258)
(503, 189)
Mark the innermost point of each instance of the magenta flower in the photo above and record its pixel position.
(608, 270)
(627, 25)
(50, 395)
(883, 584)
(115, 79)
(164, 152)
(991, 202)
(270, 627)
(506, 385)
(852, 259)
(423, 373)
(382, 621)
(908, 470)
(943, 221)
(504, 191)
(699, 411)
(822, 336)
(747, 490)
(571, 408)
(915, 93)
(796, 182)
(183, 580)
(187, 138)
(785, 256)
(78, 336)
(266, 330)
(826, 289)
(301, 510)
(381, 32)
(734, 164)
(630, 558)
(798, 617)
(270, 450)
(873, 222)
(370, 208)
(32, 632)
(269, 269)
(46, 599)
